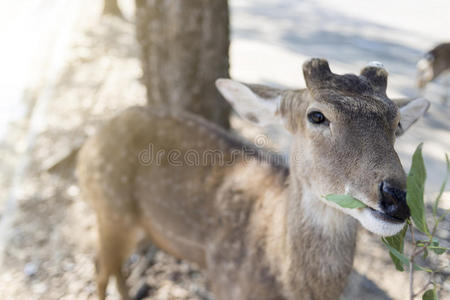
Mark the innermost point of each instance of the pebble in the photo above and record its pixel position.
(30, 269)
(39, 288)
(73, 191)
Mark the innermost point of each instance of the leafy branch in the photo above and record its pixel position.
(395, 244)
(415, 200)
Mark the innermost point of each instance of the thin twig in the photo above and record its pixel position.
(424, 287)
(422, 249)
(425, 244)
(411, 265)
(414, 253)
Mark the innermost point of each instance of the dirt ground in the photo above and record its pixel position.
(51, 247)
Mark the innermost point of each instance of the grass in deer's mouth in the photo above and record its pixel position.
(345, 201)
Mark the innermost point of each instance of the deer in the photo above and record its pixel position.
(434, 63)
(255, 222)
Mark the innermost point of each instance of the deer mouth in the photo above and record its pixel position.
(385, 217)
(378, 222)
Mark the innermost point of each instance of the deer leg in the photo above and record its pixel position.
(115, 243)
(101, 277)
(121, 285)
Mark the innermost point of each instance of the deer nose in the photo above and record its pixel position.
(393, 201)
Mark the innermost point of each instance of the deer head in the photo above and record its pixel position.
(433, 63)
(343, 131)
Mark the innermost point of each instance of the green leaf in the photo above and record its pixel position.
(345, 201)
(434, 241)
(434, 246)
(415, 186)
(397, 242)
(441, 191)
(399, 256)
(425, 253)
(402, 258)
(437, 250)
(442, 217)
(417, 267)
(420, 243)
(429, 295)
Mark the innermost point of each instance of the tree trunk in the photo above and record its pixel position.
(184, 49)
(110, 7)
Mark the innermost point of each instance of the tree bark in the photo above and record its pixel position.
(110, 7)
(184, 49)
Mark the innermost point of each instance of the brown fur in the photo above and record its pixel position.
(212, 215)
(441, 62)
(438, 62)
(256, 225)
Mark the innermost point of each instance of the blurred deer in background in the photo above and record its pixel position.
(257, 225)
(434, 63)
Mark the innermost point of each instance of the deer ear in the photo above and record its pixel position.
(255, 103)
(410, 112)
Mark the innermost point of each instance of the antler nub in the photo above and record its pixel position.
(377, 75)
(316, 71)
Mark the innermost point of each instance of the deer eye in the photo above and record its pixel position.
(399, 130)
(316, 117)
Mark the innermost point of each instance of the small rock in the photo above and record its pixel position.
(73, 191)
(39, 288)
(134, 258)
(30, 269)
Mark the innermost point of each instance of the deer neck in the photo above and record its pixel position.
(306, 210)
(316, 238)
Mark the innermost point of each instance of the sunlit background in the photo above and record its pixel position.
(64, 69)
